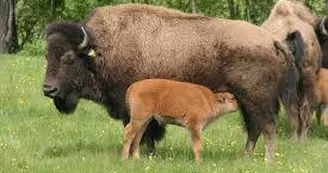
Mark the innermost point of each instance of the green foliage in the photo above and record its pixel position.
(35, 48)
(35, 138)
(32, 16)
(317, 6)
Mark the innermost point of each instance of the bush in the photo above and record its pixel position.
(35, 48)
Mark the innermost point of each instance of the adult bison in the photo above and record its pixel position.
(122, 44)
(288, 16)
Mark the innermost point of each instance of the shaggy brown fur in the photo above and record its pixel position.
(189, 105)
(135, 42)
(286, 17)
(321, 89)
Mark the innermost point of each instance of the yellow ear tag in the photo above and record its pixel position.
(92, 53)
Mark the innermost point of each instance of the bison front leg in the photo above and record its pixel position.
(253, 132)
(260, 117)
(154, 131)
(252, 137)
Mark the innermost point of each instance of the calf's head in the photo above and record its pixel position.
(226, 102)
(67, 66)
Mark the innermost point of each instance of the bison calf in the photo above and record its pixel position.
(321, 90)
(185, 104)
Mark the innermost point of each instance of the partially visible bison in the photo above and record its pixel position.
(321, 91)
(188, 105)
(289, 16)
(120, 45)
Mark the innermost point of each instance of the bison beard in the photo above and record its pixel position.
(66, 105)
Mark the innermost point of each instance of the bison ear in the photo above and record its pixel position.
(322, 26)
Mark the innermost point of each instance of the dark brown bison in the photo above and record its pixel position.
(120, 45)
(286, 17)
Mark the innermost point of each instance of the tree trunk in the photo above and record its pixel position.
(193, 6)
(254, 12)
(247, 10)
(7, 26)
(233, 9)
(147, 2)
(53, 10)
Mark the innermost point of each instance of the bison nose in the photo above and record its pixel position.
(50, 91)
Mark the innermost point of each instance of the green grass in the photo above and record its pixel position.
(34, 137)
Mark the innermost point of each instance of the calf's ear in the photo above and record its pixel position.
(219, 97)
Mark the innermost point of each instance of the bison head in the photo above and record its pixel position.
(66, 71)
(322, 34)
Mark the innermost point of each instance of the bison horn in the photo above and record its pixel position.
(322, 26)
(85, 39)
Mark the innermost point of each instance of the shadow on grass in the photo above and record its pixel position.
(185, 153)
(72, 149)
(162, 153)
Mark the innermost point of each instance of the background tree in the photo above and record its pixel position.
(193, 6)
(8, 37)
(32, 16)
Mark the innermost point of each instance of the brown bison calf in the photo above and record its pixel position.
(185, 104)
(321, 91)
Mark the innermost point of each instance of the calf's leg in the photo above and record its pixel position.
(325, 115)
(129, 135)
(140, 129)
(196, 142)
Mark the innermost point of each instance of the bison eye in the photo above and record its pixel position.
(68, 59)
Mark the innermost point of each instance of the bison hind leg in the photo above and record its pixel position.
(305, 115)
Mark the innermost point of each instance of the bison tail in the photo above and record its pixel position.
(297, 46)
(295, 60)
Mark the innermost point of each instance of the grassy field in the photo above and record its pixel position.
(35, 138)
